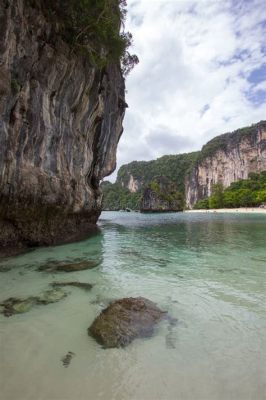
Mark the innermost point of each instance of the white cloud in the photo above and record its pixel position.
(192, 80)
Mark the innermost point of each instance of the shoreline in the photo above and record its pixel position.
(240, 210)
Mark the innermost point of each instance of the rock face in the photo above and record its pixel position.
(60, 122)
(134, 185)
(226, 159)
(161, 196)
(137, 175)
(125, 320)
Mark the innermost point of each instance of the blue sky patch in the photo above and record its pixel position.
(258, 75)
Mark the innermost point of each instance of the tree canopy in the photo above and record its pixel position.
(95, 27)
(249, 192)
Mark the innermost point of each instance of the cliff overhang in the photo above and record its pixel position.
(60, 123)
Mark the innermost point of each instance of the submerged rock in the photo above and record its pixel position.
(67, 358)
(15, 305)
(4, 268)
(125, 320)
(57, 266)
(80, 266)
(51, 296)
(81, 285)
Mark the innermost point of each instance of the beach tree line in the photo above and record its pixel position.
(249, 192)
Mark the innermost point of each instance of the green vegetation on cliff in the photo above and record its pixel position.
(162, 195)
(249, 192)
(93, 27)
(220, 143)
(173, 167)
(179, 169)
(115, 197)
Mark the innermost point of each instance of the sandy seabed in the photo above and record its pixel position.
(231, 210)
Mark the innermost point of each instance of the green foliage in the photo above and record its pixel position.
(166, 190)
(225, 141)
(261, 196)
(93, 26)
(216, 200)
(249, 192)
(155, 187)
(173, 167)
(202, 204)
(117, 198)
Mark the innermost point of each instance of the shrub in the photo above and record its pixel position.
(243, 193)
(93, 26)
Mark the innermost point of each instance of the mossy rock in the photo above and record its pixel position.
(81, 285)
(14, 305)
(56, 266)
(125, 320)
(51, 296)
(23, 306)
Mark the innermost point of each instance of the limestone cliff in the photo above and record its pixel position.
(60, 122)
(226, 159)
(161, 196)
(137, 175)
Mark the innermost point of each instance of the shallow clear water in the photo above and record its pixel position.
(207, 270)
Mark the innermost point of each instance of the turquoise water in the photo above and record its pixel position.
(207, 270)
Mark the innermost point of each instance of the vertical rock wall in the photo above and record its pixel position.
(236, 155)
(60, 123)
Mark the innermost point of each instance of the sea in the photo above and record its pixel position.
(208, 271)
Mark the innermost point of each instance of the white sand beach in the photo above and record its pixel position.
(257, 210)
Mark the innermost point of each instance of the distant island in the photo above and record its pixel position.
(229, 171)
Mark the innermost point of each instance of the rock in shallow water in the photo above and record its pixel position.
(125, 320)
(51, 296)
(57, 266)
(66, 360)
(80, 285)
(15, 305)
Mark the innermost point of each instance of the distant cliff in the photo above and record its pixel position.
(60, 121)
(137, 175)
(161, 195)
(226, 159)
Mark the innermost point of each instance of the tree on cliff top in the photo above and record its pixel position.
(94, 27)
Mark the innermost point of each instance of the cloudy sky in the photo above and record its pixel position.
(202, 72)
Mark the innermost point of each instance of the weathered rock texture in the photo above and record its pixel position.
(134, 184)
(137, 175)
(225, 159)
(14, 305)
(161, 196)
(125, 320)
(60, 122)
